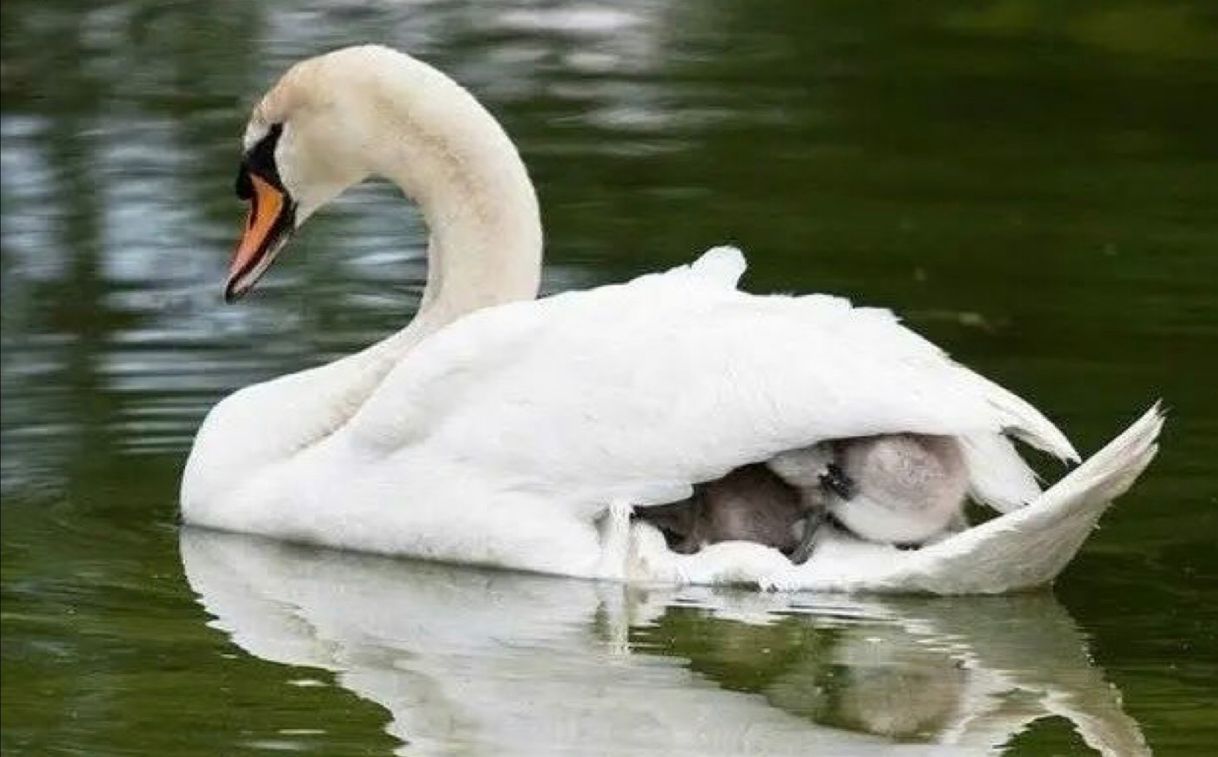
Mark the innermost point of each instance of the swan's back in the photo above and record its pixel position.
(635, 391)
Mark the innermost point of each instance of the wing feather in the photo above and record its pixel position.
(634, 390)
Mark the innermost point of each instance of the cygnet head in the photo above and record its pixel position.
(334, 120)
(910, 487)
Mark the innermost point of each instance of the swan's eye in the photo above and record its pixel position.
(260, 161)
(245, 187)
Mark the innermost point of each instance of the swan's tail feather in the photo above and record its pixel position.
(1111, 471)
(998, 476)
(1026, 423)
(1030, 546)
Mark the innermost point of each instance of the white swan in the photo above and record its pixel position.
(501, 435)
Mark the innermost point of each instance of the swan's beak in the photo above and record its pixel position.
(267, 228)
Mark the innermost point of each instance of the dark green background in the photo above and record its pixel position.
(1033, 185)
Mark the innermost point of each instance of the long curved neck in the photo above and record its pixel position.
(453, 159)
(465, 174)
(485, 245)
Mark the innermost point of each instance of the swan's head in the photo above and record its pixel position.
(334, 120)
(300, 150)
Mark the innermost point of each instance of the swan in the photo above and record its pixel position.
(500, 429)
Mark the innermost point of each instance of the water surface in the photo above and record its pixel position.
(1032, 184)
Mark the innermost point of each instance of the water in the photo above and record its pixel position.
(1032, 184)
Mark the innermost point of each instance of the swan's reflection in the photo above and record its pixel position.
(495, 662)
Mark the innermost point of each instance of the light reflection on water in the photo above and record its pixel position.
(507, 663)
(1032, 185)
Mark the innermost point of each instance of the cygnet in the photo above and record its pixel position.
(893, 488)
(900, 489)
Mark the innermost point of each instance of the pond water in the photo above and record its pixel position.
(1034, 185)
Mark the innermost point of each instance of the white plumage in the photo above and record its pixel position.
(623, 391)
(499, 429)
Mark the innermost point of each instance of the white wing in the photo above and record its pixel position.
(632, 392)
(1015, 552)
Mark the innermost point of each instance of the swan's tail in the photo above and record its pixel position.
(1111, 471)
(1025, 422)
(1030, 546)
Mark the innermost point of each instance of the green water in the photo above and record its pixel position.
(1033, 184)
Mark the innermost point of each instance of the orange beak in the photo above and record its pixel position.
(267, 227)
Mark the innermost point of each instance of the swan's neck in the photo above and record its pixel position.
(484, 248)
(419, 129)
(452, 158)
(477, 200)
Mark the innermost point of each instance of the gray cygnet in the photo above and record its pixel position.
(890, 488)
